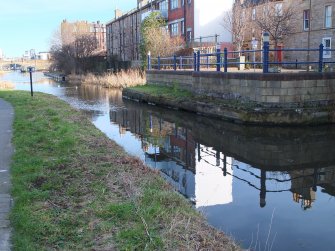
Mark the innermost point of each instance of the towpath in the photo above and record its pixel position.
(6, 151)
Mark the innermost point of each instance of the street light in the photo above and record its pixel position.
(266, 37)
(30, 69)
(266, 40)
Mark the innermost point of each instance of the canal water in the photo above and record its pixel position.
(269, 188)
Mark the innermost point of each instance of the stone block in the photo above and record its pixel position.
(272, 99)
(267, 91)
(273, 84)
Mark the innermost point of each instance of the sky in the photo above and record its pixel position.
(30, 24)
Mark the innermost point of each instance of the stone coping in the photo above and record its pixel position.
(252, 76)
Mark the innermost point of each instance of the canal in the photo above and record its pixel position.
(269, 188)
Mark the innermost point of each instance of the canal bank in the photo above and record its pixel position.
(254, 98)
(225, 169)
(78, 190)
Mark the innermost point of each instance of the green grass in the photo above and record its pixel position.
(74, 189)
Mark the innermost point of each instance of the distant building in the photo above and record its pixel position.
(1, 54)
(71, 30)
(43, 55)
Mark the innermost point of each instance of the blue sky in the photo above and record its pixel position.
(30, 24)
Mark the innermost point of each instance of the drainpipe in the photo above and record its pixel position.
(309, 34)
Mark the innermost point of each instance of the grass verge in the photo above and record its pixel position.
(178, 94)
(74, 189)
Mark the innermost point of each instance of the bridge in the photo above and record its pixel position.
(40, 65)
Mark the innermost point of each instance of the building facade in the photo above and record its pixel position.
(192, 20)
(124, 31)
(71, 30)
(312, 24)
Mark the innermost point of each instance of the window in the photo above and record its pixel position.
(327, 45)
(328, 16)
(189, 35)
(174, 4)
(265, 10)
(279, 9)
(253, 14)
(174, 29)
(306, 19)
(182, 2)
(182, 23)
(163, 5)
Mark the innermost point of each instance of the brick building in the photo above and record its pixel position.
(193, 20)
(70, 30)
(313, 24)
(124, 31)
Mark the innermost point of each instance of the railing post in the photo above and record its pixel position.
(159, 63)
(198, 61)
(320, 57)
(149, 61)
(225, 59)
(174, 62)
(218, 59)
(266, 57)
(195, 61)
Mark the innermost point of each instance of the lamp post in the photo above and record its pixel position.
(266, 40)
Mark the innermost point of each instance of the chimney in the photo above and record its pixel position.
(118, 13)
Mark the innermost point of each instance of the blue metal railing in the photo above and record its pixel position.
(222, 60)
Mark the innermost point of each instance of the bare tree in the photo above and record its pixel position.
(74, 57)
(234, 21)
(63, 58)
(85, 45)
(279, 20)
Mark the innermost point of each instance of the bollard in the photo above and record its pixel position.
(31, 81)
(198, 61)
(218, 59)
(266, 57)
(195, 61)
(266, 47)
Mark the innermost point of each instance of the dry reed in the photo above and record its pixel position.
(121, 79)
(6, 85)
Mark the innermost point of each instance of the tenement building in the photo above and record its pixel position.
(124, 32)
(192, 20)
(71, 30)
(311, 24)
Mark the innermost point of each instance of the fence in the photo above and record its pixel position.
(222, 60)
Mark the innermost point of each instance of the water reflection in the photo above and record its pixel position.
(241, 177)
(286, 159)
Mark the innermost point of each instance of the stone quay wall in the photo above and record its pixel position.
(272, 90)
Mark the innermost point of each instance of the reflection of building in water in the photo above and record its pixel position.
(172, 150)
(305, 183)
(205, 174)
(212, 186)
